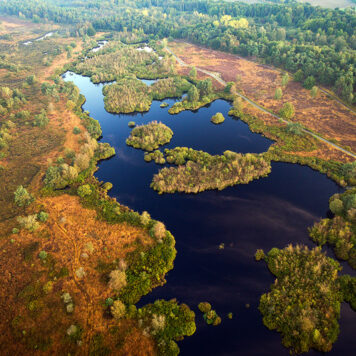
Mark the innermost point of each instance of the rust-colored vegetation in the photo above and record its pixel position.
(259, 82)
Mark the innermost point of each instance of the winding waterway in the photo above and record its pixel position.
(270, 212)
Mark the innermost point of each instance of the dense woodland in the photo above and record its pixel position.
(312, 41)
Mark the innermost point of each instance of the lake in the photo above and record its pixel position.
(266, 213)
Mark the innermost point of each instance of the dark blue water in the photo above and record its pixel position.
(270, 212)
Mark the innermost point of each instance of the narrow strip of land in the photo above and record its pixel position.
(217, 77)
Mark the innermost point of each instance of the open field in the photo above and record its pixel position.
(259, 83)
(70, 245)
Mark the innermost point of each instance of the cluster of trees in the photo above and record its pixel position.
(198, 171)
(150, 136)
(10, 100)
(66, 171)
(198, 96)
(304, 302)
(156, 156)
(340, 231)
(129, 94)
(210, 315)
(114, 61)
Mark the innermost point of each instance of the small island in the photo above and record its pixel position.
(198, 171)
(149, 137)
(218, 118)
(304, 301)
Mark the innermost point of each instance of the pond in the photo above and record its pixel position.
(269, 212)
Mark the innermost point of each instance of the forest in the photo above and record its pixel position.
(315, 41)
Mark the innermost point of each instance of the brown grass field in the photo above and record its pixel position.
(71, 244)
(258, 82)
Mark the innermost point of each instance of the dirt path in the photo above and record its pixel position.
(217, 77)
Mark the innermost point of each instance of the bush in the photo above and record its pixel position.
(118, 309)
(309, 82)
(259, 255)
(131, 124)
(204, 307)
(41, 120)
(84, 190)
(117, 280)
(29, 222)
(76, 131)
(287, 111)
(42, 255)
(42, 216)
(278, 93)
(22, 197)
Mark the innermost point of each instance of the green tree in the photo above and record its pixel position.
(91, 31)
(23, 197)
(295, 128)
(336, 206)
(299, 76)
(278, 93)
(84, 190)
(314, 91)
(309, 82)
(287, 111)
(205, 87)
(193, 94)
(285, 79)
(193, 73)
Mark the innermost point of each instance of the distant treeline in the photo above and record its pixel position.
(294, 36)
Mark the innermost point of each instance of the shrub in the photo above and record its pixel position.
(131, 124)
(84, 190)
(42, 216)
(278, 93)
(29, 222)
(159, 230)
(80, 273)
(336, 206)
(43, 255)
(41, 120)
(117, 280)
(76, 131)
(204, 307)
(314, 91)
(285, 79)
(259, 255)
(309, 82)
(66, 297)
(193, 73)
(145, 218)
(118, 309)
(287, 111)
(295, 128)
(23, 197)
